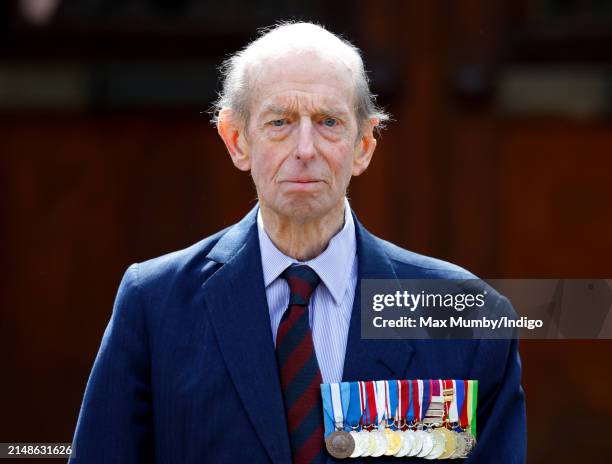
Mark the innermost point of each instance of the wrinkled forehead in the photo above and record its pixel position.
(306, 73)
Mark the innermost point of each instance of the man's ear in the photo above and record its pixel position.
(230, 130)
(365, 147)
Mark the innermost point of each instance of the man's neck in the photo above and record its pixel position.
(302, 240)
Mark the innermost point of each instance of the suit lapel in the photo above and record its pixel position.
(236, 301)
(373, 359)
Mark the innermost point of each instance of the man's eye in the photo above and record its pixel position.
(330, 122)
(278, 122)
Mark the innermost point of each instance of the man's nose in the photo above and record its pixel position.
(305, 146)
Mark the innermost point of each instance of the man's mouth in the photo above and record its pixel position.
(303, 183)
(303, 180)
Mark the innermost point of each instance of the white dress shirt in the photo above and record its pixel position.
(332, 301)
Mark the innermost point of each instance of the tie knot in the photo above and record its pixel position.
(302, 282)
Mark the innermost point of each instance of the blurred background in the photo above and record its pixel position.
(499, 159)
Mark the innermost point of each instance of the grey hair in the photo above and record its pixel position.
(291, 36)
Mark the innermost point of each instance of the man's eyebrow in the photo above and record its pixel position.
(286, 110)
(276, 109)
(332, 111)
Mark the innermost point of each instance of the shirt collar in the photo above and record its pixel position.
(332, 266)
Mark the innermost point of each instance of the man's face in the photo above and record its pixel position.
(302, 142)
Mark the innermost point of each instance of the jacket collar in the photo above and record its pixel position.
(236, 302)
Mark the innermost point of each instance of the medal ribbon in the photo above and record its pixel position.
(470, 407)
(416, 403)
(406, 395)
(363, 402)
(380, 401)
(337, 409)
(398, 384)
(436, 387)
(453, 414)
(355, 409)
(464, 410)
(328, 420)
(430, 387)
(371, 401)
(417, 399)
(415, 407)
(393, 399)
(474, 397)
(460, 393)
(387, 401)
(446, 385)
(345, 396)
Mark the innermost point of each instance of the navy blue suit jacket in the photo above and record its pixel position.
(186, 371)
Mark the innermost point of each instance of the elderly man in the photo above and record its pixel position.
(216, 353)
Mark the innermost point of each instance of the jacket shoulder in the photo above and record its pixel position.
(411, 265)
(408, 264)
(187, 261)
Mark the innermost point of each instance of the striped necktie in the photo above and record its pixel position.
(299, 369)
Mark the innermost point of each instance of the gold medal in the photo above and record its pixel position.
(394, 441)
(340, 444)
(450, 442)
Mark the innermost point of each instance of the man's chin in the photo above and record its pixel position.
(304, 208)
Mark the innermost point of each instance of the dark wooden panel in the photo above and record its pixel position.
(555, 200)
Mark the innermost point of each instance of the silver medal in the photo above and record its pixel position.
(358, 444)
(381, 444)
(460, 447)
(427, 443)
(438, 445)
(369, 443)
